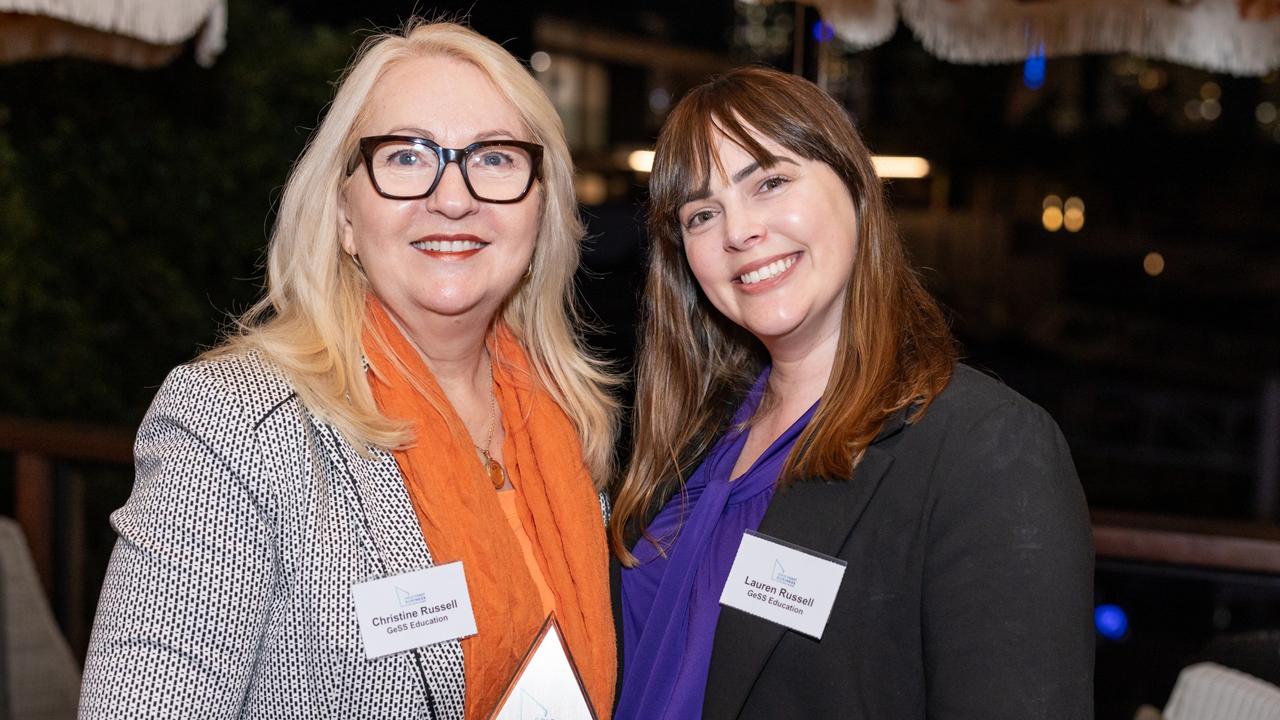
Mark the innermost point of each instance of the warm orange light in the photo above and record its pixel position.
(591, 188)
(1151, 79)
(1073, 215)
(898, 166)
(1153, 263)
(1051, 218)
(640, 160)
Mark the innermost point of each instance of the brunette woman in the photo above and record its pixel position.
(796, 381)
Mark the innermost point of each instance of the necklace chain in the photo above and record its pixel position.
(497, 474)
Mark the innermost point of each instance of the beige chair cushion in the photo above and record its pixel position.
(43, 678)
(1207, 691)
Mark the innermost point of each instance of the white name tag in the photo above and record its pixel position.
(546, 685)
(418, 608)
(783, 583)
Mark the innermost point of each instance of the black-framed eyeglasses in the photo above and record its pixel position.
(403, 167)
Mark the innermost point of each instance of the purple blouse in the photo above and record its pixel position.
(670, 605)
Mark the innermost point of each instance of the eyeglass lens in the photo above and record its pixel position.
(495, 172)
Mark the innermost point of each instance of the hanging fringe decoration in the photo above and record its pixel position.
(1238, 37)
(141, 33)
(861, 23)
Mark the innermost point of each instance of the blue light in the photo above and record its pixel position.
(823, 32)
(1111, 621)
(1033, 69)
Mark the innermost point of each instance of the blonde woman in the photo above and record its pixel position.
(410, 392)
(800, 414)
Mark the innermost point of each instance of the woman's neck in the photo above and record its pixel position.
(798, 377)
(453, 349)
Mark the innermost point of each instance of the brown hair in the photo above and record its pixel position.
(695, 365)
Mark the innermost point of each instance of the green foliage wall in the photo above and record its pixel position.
(135, 206)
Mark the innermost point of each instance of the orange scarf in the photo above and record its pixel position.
(461, 518)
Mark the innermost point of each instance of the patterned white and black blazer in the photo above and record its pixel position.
(229, 590)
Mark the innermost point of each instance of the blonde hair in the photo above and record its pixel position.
(311, 319)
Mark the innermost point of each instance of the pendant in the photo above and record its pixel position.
(497, 475)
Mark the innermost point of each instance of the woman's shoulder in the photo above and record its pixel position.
(979, 421)
(991, 458)
(986, 437)
(973, 398)
(242, 381)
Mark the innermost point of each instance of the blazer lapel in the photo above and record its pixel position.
(814, 514)
(374, 490)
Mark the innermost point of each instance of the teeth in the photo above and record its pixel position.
(448, 246)
(771, 270)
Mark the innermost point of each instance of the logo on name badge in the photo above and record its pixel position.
(407, 598)
(531, 709)
(780, 575)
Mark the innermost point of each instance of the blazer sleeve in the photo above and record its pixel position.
(189, 586)
(1008, 575)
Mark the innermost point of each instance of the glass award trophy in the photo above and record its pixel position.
(546, 685)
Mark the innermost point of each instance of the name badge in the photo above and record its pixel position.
(418, 608)
(783, 583)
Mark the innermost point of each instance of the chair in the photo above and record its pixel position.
(39, 677)
(1208, 691)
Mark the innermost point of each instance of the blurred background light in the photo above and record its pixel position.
(823, 32)
(1153, 263)
(591, 187)
(900, 166)
(540, 61)
(1151, 79)
(1051, 218)
(1111, 621)
(1073, 216)
(640, 160)
(1051, 215)
(659, 100)
(1033, 69)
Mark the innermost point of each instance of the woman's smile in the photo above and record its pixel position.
(449, 247)
(763, 275)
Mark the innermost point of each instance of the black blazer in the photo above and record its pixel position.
(969, 587)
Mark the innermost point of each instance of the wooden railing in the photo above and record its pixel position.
(1237, 546)
(49, 504)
